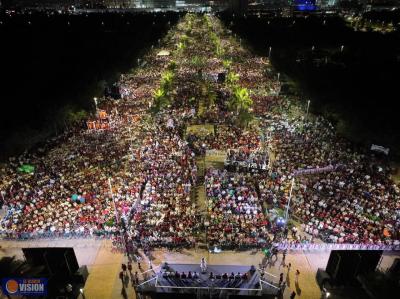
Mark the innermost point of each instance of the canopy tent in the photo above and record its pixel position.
(163, 53)
(76, 197)
(27, 168)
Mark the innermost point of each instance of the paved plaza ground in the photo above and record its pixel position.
(104, 264)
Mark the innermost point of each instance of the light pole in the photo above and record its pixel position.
(269, 52)
(288, 204)
(205, 153)
(308, 106)
(206, 224)
(130, 137)
(95, 102)
(113, 200)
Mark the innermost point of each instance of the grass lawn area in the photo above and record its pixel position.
(200, 130)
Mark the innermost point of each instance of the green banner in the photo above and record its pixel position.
(27, 168)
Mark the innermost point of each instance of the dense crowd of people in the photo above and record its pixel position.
(136, 174)
(354, 201)
(224, 138)
(236, 211)
(135, 178)
(246, 160)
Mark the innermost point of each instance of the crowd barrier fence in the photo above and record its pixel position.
(336, 246)
(22, 236)
(281, 246)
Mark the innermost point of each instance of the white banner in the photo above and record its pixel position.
(336, 246)
(314, 170)
(381, 149)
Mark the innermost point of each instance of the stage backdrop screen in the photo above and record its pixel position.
(304, 5)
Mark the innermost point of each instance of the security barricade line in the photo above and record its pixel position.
(336, 246)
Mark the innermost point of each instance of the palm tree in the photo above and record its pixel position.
(232, 78)
(159, 93)
(240, 100)
(219, 51)
(166, 80)
(214, 38)
(243, 98)
(161, 100)
(227, 64)
(198, 62)
(180, 46)
(184, 39)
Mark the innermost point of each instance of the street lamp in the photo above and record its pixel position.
(112, 197)
(308, 106)
(269, 52)
(206, 225)
(288, 204)
(279, 75)
(131, 139)
(204, 146)
(95, 102)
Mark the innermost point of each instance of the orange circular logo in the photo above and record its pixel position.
(12, 286)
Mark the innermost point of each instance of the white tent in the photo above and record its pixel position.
(163, 53)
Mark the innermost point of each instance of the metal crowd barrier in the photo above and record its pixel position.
(336, 246)
(50, 235)
(281, 246)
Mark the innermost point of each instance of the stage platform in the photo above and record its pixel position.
(165, 284)
(252, 283)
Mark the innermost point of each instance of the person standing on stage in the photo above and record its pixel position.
(203, 265)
